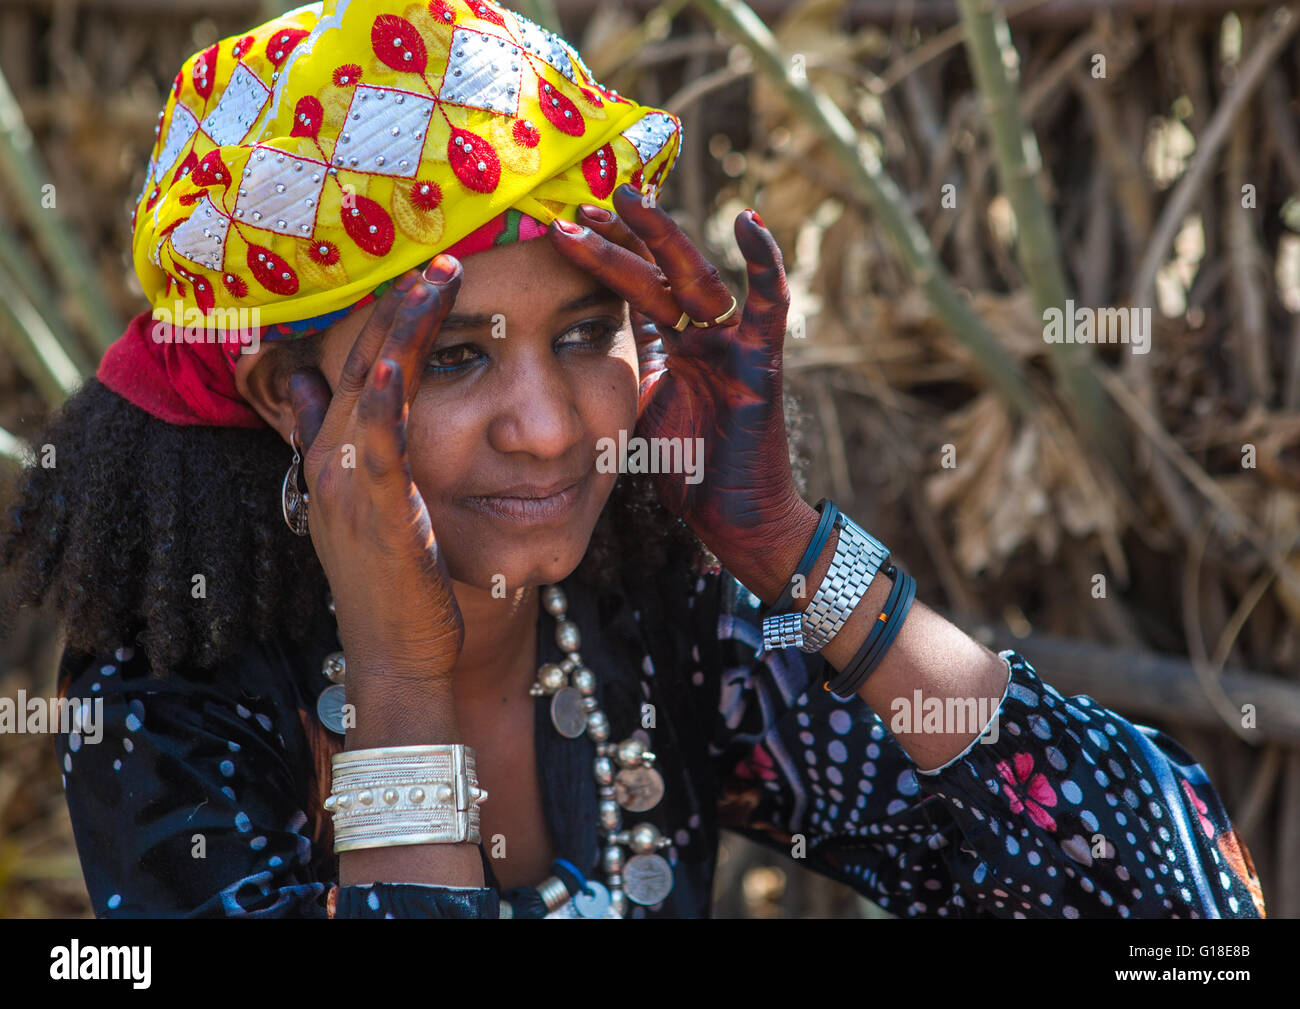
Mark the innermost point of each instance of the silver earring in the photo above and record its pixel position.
(293, 502)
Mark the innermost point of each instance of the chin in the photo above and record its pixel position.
(510, 571)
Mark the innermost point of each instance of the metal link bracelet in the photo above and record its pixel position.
(858, 556)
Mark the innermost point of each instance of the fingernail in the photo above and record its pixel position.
(384, 373)
(568, 227)
(757, 220)
(441, 269)
(596, 213)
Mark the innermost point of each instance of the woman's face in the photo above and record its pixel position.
(534, 365)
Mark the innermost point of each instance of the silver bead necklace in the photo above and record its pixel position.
(626, 779)
(645, 878)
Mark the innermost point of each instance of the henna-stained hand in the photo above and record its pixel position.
(721, 383)
(368, 521)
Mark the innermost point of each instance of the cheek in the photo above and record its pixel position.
(609, 400)
(609, 405)
(441, 445)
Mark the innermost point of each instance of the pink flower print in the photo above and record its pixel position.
(1201, 808)
(1028, 792)
(757, 765)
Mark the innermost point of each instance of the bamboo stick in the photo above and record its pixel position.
(13, 449)
(37, 291)
(1250, 365)
(22, 169)
(36, 349)
(881, 194)
(995, 63)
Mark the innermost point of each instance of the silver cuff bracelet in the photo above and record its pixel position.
(395, 795)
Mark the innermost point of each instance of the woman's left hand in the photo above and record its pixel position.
(721, 383)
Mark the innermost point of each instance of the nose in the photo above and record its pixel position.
(536, 409)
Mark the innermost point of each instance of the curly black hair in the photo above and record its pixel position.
(170, 538)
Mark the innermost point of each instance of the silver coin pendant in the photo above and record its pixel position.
(648, 879)
(567, 713)
(329, 708)
(638, 788)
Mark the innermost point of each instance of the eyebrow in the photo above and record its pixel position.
(597, 296)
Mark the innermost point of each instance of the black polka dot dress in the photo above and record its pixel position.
(198, 796)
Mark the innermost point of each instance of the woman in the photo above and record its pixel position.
(494, 674)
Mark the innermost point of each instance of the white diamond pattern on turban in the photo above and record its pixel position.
(484, 71)
(649, 135)
(280, 193)
(541, 43)
(183, 126)
(202, 237)
(384, 131)
(241, 103)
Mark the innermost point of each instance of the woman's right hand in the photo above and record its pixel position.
(398, 619)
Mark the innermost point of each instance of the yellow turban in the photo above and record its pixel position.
(300, 165)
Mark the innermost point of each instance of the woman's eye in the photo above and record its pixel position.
(452, 358)
(593, 333)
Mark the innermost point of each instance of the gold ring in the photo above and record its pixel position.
(704, 325)
(680, 324)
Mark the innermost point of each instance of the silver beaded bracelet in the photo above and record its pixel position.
(395, 795)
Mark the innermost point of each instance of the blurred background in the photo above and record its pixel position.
(938, 173)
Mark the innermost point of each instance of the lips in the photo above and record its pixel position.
(531, 503)
(527, 491)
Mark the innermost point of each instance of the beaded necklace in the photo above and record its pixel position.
(626, 779)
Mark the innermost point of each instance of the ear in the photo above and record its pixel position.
(262, 379)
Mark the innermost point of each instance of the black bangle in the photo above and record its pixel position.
(893, 622)
(893, 625)
(849, 673)
(829, 512)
